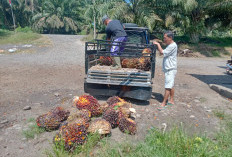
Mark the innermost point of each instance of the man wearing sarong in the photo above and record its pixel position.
(115, 32)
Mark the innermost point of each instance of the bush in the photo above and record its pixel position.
(24, 30)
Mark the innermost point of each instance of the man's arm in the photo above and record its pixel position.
(108, 34)
(158, 46)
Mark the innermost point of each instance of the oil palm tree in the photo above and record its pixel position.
(57, 16)
(136, 11)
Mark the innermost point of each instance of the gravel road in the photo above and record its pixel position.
(53, 75)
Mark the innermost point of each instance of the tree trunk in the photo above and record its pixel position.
(32, 7)
(94, 35)
(94, 20)
(194, 37)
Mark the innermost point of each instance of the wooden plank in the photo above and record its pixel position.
(118, 74)
(119, 79)
(127, 83)
(121, 72)
(124, 76)
(99, 68)
(115, 76)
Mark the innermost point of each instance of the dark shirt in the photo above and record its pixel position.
(114, 29)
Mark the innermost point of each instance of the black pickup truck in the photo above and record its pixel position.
(124, 82)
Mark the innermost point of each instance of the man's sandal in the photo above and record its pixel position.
(161, 108)
(169, 104)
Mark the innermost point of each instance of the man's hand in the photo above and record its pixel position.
(156, 43)
(158, 46)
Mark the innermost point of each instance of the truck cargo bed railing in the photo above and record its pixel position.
(99, 48)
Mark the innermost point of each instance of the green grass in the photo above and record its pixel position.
(219, 114)
(175, 142)
(220, 41)
(203, 100)
(84, 150)
(171, 144)
(213, 41)
(22, 36)
(33, 129)
(207, 46)
(216, 53)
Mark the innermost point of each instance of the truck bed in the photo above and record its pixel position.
(123, 76)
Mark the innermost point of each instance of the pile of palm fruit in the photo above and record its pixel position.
(88, 116)
(142, 63)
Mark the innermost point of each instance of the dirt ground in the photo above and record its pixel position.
(51, 76)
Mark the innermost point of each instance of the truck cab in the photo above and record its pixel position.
(125, 82)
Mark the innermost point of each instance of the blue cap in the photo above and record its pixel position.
(105, 17)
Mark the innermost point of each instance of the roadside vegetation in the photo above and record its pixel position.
(32, 130)
(208, 46)
(20, 36)
(172, 143)
(200, 26)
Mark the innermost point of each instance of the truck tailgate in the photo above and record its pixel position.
(124, 76)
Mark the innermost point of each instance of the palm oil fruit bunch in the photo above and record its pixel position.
(72, 135)
(52, 119)
(80, 116)
(104, 107)
(146, 52)
(144, 64)
(125, 109)
(105, 60)
(85, 114)
(100, 126)
(61, 113)
(90, 103)
(114, 99)
(112, 115)
(130, 62)
(127, 125)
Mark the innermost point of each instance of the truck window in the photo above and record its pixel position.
(136, 36)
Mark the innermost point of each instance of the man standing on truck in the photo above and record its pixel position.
(169, 67)
(116, 33)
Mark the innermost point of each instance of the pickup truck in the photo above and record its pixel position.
(124, 82)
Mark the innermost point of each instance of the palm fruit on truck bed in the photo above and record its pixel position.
(130, 62)
(105, 60)
(101, 126)
(52, 119)
(90, 103)
(127, 125)
(114, 99)
(72, 135)
(146, 52)
(112, 116)
(144, 64)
